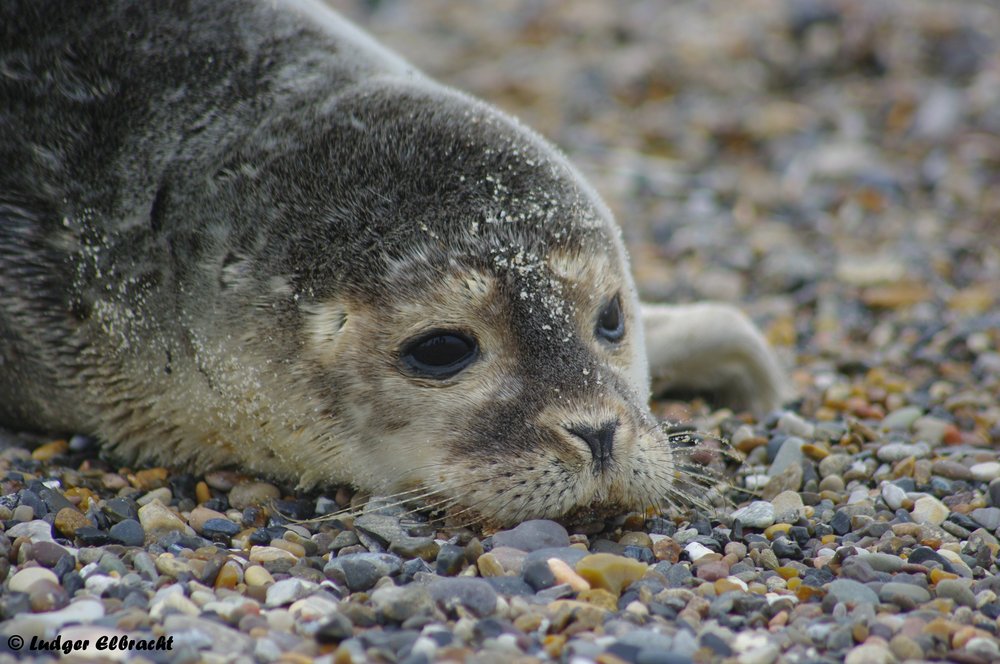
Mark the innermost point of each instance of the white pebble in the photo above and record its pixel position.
(29, 576)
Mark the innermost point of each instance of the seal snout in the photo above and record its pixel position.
(600, 440)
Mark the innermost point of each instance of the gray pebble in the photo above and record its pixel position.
(337, 628)
(385, 528)
(399, 603)
(893, 495)
(287, 591)
(474, 594)
(344, 539)
(904, 595)
(360, 571)
(956, 589)
(533, 535)
(35, 531)
(789, 453)
(450, 560)
(852, 592)
(758, 514)
(835, 464)
(901, 419)
(127, 533)
(987, 517)
(884, 562)
(203, 634)
(794, 425)
(415, 547)
(47, 554)
(893, 452)
(567, 554)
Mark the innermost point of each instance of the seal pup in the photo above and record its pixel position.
(243, 233)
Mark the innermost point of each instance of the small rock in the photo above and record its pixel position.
(399, 603)
(337, 628)
(539, 575)
(893, 452)
(424, 548)
(219, 530)
(929, 509)
(127, 533)
(870, 653)
(852, 593)
(901, 419)
(269, 554)
(23, 513)
(23, 580)
(952, 470)
(611, 572)
(758, 514)
(905, 595)
(987, 517)
(252, 493)
(287, 591)
(200, 514)
(48, 554)
(474, 594)
(47, 596)
(511, 560)
(788, 454)
(360, 571)
(450, 560)
(956, 589)
(985, 472)
(563, 574)
(788, 506)
(794, 425)
(69, 520)
(35, 531)
(119, 509)
(156, 517)
(533, 535)
(884, 562)
(893, 495)
(255, 575)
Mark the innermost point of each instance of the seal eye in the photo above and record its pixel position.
(439, 354)
(610, 322)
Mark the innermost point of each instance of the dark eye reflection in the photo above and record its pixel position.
(439, 354)
(611, 322)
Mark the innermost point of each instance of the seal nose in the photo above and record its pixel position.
(599, 440)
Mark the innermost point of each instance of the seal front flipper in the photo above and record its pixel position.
(711, 348)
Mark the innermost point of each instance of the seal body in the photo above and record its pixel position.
(243, 233)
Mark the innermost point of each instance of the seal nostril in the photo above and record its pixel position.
(601, 440)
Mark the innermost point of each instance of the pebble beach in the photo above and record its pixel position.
(832, 167)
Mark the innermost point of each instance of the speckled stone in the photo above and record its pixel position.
(928, 509)
(758, 514)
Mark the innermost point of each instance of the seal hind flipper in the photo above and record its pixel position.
(714, 349)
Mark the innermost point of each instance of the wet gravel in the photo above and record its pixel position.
(832, 166)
